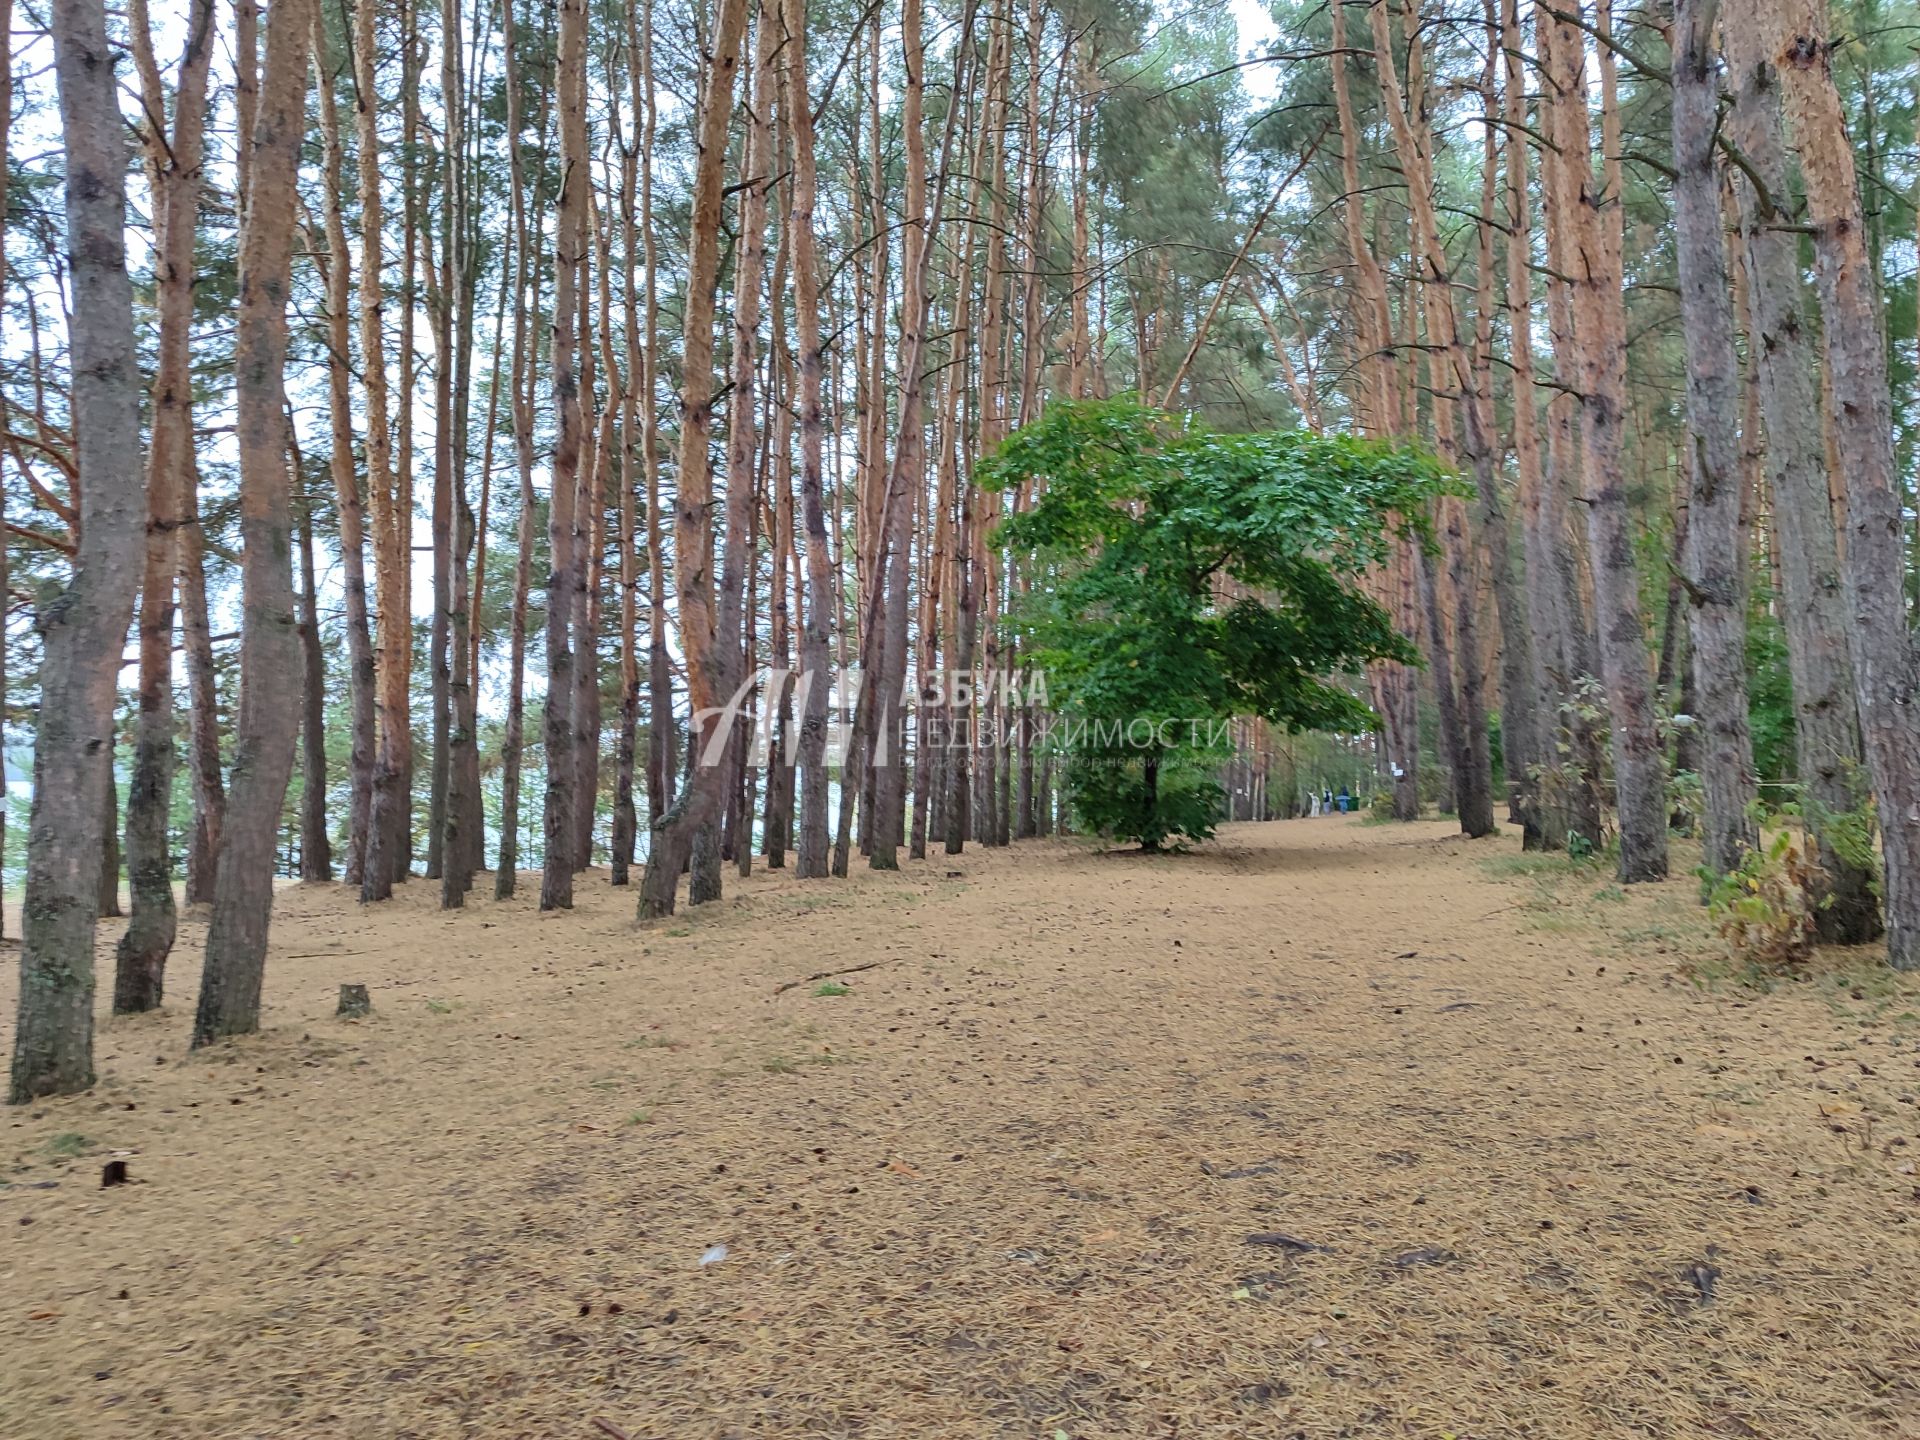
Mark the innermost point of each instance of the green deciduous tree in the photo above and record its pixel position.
(1193, 577)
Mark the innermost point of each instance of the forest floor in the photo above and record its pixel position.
(1326, 1129)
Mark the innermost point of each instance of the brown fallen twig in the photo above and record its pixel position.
(828, 975)
(607, 1427)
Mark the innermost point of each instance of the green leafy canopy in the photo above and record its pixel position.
(1138, 521)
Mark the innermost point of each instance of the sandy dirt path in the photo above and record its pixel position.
(1326, 1130)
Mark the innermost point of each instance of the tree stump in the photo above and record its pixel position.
(354, 1002)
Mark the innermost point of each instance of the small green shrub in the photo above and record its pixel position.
(1764, 909)
(1853, 834)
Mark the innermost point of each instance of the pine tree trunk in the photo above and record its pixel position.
(499, 370)
(563, 582)
(458, 850)
(1590, 214)
(526, 305)
(265, 725)
(1813, 602)
(316, 846)
(1520, 738)
(84, 627)
(399, 676)
(589, 551)
(810, 857)
(731, 645)
(1886, 666)
(1378, 406)
(1581, 797)
(971, 562)
(626, 816)
(1543, 527)
(361, 668)
(660, 722)
(892, 570)
(173, 173)
(109, 872)
(388, 821)
(698, 805)
(1713, 567)
(460, 814)
(6, 579)
(783, 593)
(1452, 371)
(466, 809)
(203, 706)
(448, 486)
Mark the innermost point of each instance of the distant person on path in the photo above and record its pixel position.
(1326, 801)
(1346, 800)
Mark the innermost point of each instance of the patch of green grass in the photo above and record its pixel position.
(440, 1007)
(1531, 863)
(69, 1145)
(681, 930)
(1715, 972)
(812, 900)
(638, 1117)
(828, 988)
(1858, 991)
(1865, 992)
(792, 1064)
(1653, 935)
(1557, 924)
(1613, 894)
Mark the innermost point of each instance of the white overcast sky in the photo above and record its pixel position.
(1256, 29)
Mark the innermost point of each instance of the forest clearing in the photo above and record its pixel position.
(1526, 1158)
(1049, 719)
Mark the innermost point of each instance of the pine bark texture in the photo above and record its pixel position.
(174, 175)
(563, 561)
(1588, 212)
(1814, 606)
(1713, 564)
(698, 804)
(84, 625)
(265, 725)
(1886, 667)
